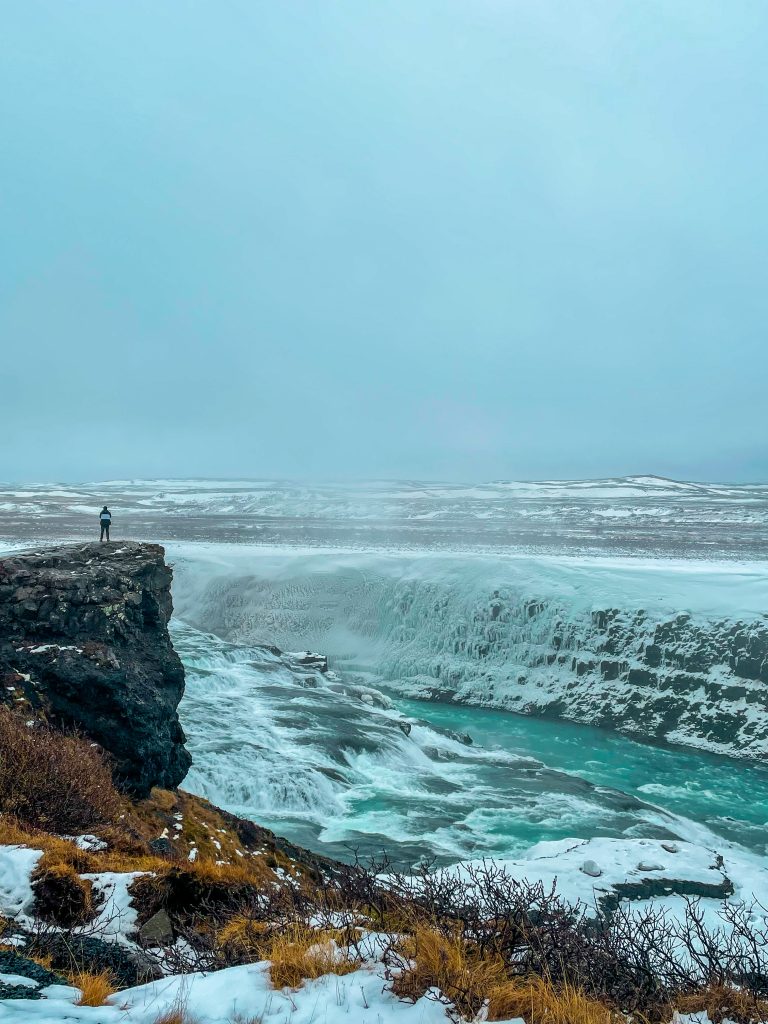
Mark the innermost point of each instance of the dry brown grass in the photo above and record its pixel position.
(127, 848)
(722, 1002)
(300, 954)
(176, 1013)
(110, 861)
(95, 989)
(132, 826)
(538, 1002)
(162, 799)
(244, 939)
(435, 960)
(55, 849)
(204, 895)
(203, 827)
(51, 780)
(247, 871)
(220, 885)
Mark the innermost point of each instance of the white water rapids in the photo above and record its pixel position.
(324, 760)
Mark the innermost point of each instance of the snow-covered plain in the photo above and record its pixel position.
(628, 515)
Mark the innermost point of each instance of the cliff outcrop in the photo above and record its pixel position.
(678, 679)
(84, 643)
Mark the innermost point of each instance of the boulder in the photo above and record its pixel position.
(157, 931)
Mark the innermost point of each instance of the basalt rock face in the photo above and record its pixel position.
(84, 640)
(667, 679)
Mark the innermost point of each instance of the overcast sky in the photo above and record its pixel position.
(457, 239)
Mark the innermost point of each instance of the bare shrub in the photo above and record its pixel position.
(640, 961)
(51, 780)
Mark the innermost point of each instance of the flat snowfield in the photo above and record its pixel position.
(632, 516)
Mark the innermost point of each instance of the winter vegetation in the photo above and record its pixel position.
(166, 909)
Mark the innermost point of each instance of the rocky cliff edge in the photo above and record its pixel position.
(84, 643)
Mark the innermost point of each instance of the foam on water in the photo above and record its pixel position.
(566, 636)
(310, 756)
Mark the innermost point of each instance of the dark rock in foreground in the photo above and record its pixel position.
(84, 639)
(15, 965)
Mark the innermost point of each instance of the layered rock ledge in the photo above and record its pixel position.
(84, 642)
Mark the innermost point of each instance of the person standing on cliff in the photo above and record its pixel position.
(105, 518)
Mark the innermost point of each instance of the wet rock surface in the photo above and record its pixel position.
(84, 642)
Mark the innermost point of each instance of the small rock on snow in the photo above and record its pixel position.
(649, 865)
(589, 867)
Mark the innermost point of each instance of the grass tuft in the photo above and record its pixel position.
(301, 953)
(539, 1002)
(723, 1002)
(432, 959)
(95, 989)
(243, 939)
(176, 1013)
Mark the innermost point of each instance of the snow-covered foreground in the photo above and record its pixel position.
(237, 994)
(583, 871)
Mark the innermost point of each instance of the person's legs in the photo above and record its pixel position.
(101, 535)
(107, 529)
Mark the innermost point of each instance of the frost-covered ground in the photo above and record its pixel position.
(236, 994)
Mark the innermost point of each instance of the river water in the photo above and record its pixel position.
(314, 760)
